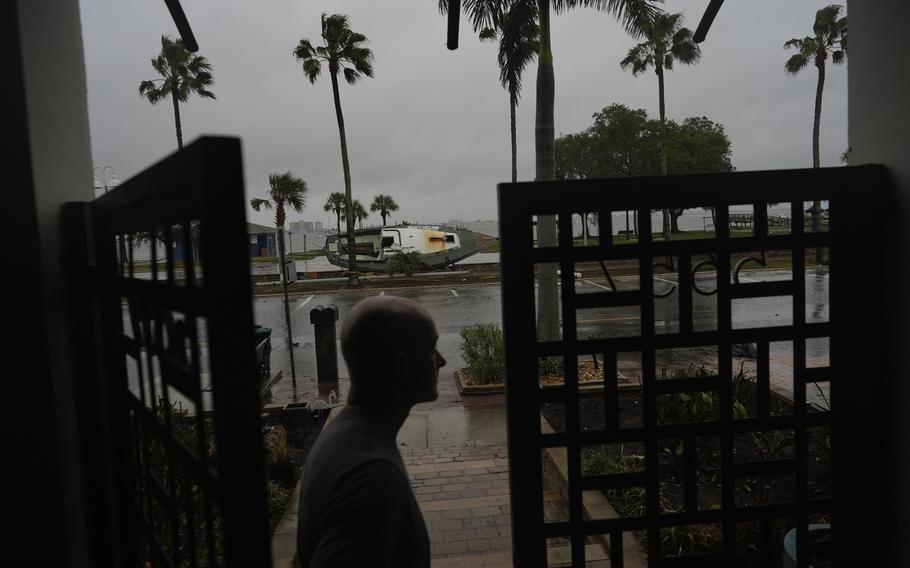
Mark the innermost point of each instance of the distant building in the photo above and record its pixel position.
(262, 240)
(317, 226)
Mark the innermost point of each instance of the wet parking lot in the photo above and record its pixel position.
(454, 307)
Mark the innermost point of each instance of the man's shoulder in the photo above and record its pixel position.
(347, 445)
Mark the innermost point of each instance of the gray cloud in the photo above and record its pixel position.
(432, 128)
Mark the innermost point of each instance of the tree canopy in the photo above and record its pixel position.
(624, 142)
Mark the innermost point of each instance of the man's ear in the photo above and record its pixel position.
(402, 367)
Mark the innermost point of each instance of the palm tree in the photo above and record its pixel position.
(385, 205)
(666, 42)
(830, 37)
(359, 212)
(519, 38)
(630, 13)
(182, 75)
(284, 190)
(342, 51)
(335, 204)
(481, 12)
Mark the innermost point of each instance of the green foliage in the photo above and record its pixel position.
(276, 446)
(277, 502)
(624, 142)
(550, 366)
(484, 353)
(406, 263)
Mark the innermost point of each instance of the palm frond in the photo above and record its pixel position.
(632, 14)
(351, 75)
(796, 63)
(312, 68)
(258, 204)
(484, 13)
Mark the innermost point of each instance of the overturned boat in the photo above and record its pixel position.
(439, 246)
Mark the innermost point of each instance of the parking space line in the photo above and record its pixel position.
(303, 303)
(454, 293)
(596, 284)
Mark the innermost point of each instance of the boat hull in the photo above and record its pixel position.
(439, 246)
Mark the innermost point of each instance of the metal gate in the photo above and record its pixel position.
(672, 473)
(167, 367)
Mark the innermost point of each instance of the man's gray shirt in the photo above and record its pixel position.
(356, 504)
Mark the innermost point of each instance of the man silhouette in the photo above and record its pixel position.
(356, 504)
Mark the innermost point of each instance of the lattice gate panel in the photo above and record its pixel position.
(680, 410)
(179, 366)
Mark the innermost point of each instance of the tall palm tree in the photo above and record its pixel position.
(182, 74)
(666, 43)
(359, 212)
(630, 13)
(284, 190)
(335, 204)
(481, 12)
(385, 205)
(342, 51)
(519, 38)
(830, 38)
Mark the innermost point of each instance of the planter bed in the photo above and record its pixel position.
(749, 447)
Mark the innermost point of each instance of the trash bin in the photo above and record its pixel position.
(820, 533)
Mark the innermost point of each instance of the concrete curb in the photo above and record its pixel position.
(594, 504)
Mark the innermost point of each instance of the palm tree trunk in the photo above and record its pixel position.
(663, 135)
(514, 142)
(349, 210)
(545, 170)
(177, 119)
(338, 225)
(383, 219)
(816, 161)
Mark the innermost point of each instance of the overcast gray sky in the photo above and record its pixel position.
(432, 128)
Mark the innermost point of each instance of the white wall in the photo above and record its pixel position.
(879, 132)
(55, 94)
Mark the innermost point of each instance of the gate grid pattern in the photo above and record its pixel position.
(179, 368)
(674, 273)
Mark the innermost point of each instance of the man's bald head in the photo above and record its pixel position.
(383, 335)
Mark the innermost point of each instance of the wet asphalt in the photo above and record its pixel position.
(454, 307)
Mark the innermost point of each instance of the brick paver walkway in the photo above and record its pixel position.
(464, 495)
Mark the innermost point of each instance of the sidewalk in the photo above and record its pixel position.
(456, 454)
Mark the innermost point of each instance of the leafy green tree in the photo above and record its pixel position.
(335, 204)
(359, 212)
(384, 204)
(625, 142)
(182, 74)
(343, 52)
(830, 39)
(666, 43)
(284, 190)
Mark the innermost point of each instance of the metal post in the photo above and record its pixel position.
(323, 320)
(287, 309)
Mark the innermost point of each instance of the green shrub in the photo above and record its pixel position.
(553, 366)
(484, 353)
(403, 263)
